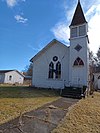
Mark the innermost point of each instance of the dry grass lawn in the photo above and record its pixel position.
(84, 117)
(17, 100)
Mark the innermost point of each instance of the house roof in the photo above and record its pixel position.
(6, 71)
(28, 77)
(78, 17)
(53, 42)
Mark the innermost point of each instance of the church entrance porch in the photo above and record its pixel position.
(74, 92)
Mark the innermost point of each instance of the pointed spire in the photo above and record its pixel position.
(78, 17)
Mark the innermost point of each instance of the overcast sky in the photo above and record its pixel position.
(26, 26)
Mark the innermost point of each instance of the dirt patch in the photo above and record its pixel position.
(41, 120)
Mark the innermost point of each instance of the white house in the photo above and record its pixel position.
(11, 77)
(58, 65)
(97, 80)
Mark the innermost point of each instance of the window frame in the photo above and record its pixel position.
(58, 70)
(10, 77)
(82, 30)
(78, 62)
(51, 70)
(73, 34)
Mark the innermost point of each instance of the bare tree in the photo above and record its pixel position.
(28, 70)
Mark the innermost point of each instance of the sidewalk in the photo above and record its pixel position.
(41, 120)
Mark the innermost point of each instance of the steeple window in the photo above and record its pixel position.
(78, 31)
(74, 32)
(78, 48)
(82, 30)
(78, 62)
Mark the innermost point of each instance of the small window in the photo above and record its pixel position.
(55, 58)
(82, 30)
(74, 32)
(78, 62)
(99, 77)
(78, 48)
(10, 77)
(58, 70)
(51, 70)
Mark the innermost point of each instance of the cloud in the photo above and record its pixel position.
(61, 31)
(20, 19)
(92, 13)
(12, 3)
(33, 48)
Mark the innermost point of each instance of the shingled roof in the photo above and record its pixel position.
(5, 71)
(78, 17)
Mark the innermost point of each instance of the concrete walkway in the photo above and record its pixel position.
(41, 120)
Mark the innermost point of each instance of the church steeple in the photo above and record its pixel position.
(78, 17)
(78, 73)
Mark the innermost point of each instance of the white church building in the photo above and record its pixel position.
(58, 65)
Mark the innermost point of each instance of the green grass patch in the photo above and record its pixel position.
(18, 100)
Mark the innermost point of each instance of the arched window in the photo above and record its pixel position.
(58, 70)
(10, 77)
(78, 62)
(98, 77)
(51, 70)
